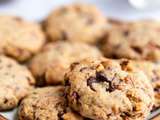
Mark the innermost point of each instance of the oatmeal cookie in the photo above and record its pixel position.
(80, 23)
(106, 90)
(137, 40)
(50, 65)
(20, 39)
(46, 103)
(15, 83)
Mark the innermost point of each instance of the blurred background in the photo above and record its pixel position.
(122, 9)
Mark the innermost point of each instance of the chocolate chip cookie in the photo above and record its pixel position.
(107, 90)
(80, 23)
(137, 40)
(152, 70)
(50, 65)
(20, 39)
(46, 103)
(15, 83)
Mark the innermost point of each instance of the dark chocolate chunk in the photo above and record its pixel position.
(5, 100)
(41, 81)
(137, 49)
(100, 77)
(67, 83)
(90, 81)
(157, 89)
(60, 115)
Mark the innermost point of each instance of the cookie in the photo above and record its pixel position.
(106, 90)
(137, 40)
(20, 39)
(15, 83)
(50, 65)
(152, 70)
(79, 23)
(46, 103)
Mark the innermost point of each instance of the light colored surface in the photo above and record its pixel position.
(145, 4)
(114, 8)
(37, 10)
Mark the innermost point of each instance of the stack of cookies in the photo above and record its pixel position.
(79, 65)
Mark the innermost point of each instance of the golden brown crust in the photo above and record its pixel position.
(15, 83)
(78, 23)
(54, 60)
(46, 103)
(20, 39)
(107, 90)
(137, 40)
(152, 70)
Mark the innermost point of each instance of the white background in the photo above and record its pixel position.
(37, 10)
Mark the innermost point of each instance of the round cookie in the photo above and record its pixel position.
(137, 40)
(15, 83)
(106, 90)
(80, 23)
(46, 103)
(20, 39)
(152, 70)
(50, 65)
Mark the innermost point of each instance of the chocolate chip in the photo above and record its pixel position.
(126, 33)
(100, 77)
(67, 83)
(114, 56)
(137, 49)
(5, 100)
(41, 81)
(157, 89)
(75, 95)
(90, 81)
(82, 69)
(64, 35)
(60, 114)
